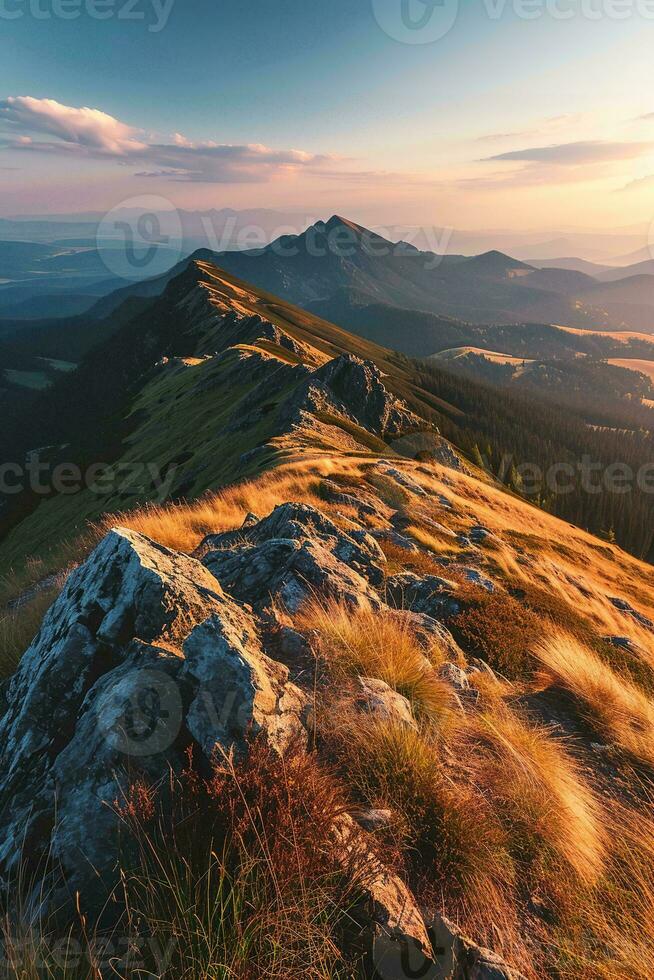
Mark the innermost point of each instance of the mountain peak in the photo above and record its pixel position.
(338, 221)
(495, 261)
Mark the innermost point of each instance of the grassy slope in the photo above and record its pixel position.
(184, 410)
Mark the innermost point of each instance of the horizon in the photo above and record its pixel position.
(327, 489)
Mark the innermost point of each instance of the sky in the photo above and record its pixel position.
(482, 114)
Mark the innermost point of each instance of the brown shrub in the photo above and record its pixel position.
(245, 876)
(499, 630)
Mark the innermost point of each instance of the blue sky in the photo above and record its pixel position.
(388, 128)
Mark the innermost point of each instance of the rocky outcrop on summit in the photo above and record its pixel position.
(353, 389)
(293, 554)
(108, 684)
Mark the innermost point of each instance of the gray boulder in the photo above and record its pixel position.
(375, 697)
(475, 577)
(431, 595)
(105, 695)
(352, 388)
(625, 607)
(294, 553)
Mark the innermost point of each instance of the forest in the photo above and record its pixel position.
(596, 455)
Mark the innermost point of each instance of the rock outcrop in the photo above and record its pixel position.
(119, 682)
(431, 595)
(353, 389)
(148, 653)
(292, 555)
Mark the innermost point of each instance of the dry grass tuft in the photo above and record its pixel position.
(606, 933)
(539, 791)
(454, 847)
(351, 642)
(618, 710)
(246, 880)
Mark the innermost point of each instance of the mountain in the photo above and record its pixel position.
(90, 402)
(336, 255)
(57, 280)
(339, 261)
(294, 653)
(642, 254)
(200, 316)
(618, 386)
(646, 267)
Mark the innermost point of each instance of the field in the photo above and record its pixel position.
(635, 364)
(456, 352)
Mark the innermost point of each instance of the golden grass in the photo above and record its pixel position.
(618, 710)
(445, 833)
(438, 546)
(539, 789)
(607, 932)
(182, 526)
(367, 643)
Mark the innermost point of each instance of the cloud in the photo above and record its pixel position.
(498, 137)
(94, 134)
(575, 154)
(403, 178)
(552, 123)
(558, 163)
(88, 128)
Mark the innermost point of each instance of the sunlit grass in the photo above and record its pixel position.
(619, 711)
(367, 643)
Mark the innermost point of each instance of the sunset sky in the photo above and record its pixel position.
(504, 122)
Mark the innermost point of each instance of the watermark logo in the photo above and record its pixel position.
(427, 21)
(141, 714)
(45, 477)
(65, 955)
(154, 14)
(416, 21)
(562, 10)
(140, 238)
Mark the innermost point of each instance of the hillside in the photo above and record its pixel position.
(96, 411)
(321, 697)
(208, 349)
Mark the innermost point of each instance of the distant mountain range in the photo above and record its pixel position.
(498, 385)
(58, 267)
(335, 268)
